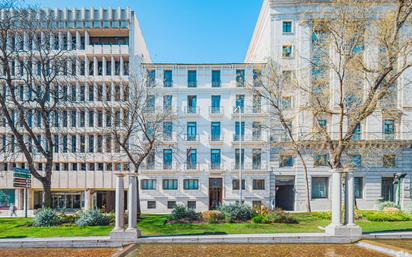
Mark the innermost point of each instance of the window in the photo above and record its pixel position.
(319, 187)
(257, 205)
(256, 159)
(257, 104)
(191, 131)
(191, 78)
(148, 184)
(256, 131)
(240, 78)
(321, 160)
(356, 160)
(191, 184)
(171, 204)
(167, 159)
(240, 102)
(191, 104)
(150, 161)
(151, 204)
(239, 131)
(191, 161)
(286, 102)
(167, 78)
(323, 124)
(151, 78)
(357, 133)
(215, 159)
(358, 187)
(235, 184)
(150, 103)
(387, 190)
(215, 108)
(287, 51)
(389, 161)
(167, 103)
(216, 78)
(239, 160)
(257, 78)
(286, 161)
(169, 184)
(191, 205)
(287, 27)
(167, 130)
(215, 131)
(258, 184)
(388, 129)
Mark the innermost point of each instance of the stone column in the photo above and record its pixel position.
(119, 211)
(350, 199)
(19, 198)
(336, 199)
(87, 199)
(132, 207)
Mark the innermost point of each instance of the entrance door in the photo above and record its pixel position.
(285, 197)
(215, 193)
(285, 192)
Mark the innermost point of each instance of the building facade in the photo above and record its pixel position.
(221, 131)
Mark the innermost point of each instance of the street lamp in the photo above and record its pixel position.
(239, 110)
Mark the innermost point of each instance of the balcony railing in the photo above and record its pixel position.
(192, 137)
(167, 83)
(191, 166)
(216, 83)
(192, 110)
(216, 110)
(192, 84)
(256, 110)
(250, 138)
(216, 138)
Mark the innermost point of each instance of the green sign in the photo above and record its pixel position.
(21, 178)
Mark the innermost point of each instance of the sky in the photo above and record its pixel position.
(186, 31)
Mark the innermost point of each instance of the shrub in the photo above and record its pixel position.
(68, 219)
(280, 216)
(258, 219)
(92, 218)
(237, 212)
(384, 205)
(180, 213)
(385, 216)
(212, 217)
(46, 218)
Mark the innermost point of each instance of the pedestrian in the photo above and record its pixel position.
(13, 210)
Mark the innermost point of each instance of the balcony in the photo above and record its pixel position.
(249, 112)
(192, 84)
(190, 166)
(250, 139)
(191, 138)
(216, 111)
(216, 139)
(216, 83)
(167, 83)
(216, 167)
(192, 111)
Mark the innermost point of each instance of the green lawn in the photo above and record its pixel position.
(153, 225)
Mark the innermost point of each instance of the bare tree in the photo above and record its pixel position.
(139, 131)
(34, 72)
(273, 84)
(360, 50)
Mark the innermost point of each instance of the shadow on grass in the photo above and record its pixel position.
(9, 237)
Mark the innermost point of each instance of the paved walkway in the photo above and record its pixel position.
(282, 238)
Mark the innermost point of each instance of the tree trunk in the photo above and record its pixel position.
(47, 196)
(305, 170)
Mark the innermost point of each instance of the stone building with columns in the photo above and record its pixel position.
(220, 133)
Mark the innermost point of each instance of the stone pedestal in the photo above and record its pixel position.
(118, 231)
(336, 228)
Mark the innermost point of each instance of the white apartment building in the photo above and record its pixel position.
(210, 141)
(283, 34)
